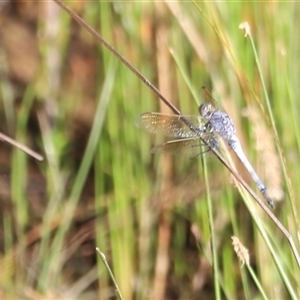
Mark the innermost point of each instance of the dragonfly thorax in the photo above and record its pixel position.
(223, 125)
(217, 121)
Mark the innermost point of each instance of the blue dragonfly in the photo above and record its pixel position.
(210, 124)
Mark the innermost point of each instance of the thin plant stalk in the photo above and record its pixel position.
(246, 27)
(212, 233)
(103, 258)
(21, 147)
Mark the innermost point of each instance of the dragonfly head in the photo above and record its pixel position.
(206, 110)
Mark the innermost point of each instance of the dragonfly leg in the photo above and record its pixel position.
(200, 153)
(211, 143)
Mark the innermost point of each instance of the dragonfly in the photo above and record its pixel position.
(211, 124)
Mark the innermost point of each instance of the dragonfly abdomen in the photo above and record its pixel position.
(235, 144)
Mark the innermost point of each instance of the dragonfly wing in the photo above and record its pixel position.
(191, 147)
(207, 97)
(170, 125)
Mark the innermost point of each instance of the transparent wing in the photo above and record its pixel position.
(207, 97)
(190, 147)
(169, 125)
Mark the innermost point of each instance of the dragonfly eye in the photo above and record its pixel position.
(205, 110)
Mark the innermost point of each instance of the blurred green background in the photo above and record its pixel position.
(164, 223)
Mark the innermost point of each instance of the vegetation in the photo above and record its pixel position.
(165, 224)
